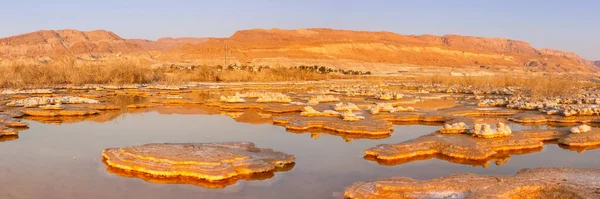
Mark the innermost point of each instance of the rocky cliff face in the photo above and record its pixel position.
(60, 42)
(166, 43)
(358, 50)
(597, 63)
(375, 50)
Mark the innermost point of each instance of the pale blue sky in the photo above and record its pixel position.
(566, 25)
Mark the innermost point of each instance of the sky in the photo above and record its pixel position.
(558, 24)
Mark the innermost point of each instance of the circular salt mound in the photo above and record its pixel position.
(207, 161)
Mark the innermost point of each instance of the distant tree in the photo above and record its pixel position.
(322, 69)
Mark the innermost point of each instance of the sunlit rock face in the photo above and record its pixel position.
(206, 161)
(527, 183)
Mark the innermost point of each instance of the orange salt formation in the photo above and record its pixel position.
(527, 183)
(66, 111)
(207, 161)
(368, 126)
(466, 147)
(452, 145)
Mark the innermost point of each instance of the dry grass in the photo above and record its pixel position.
(210, 74)
(536, 86)
(68, 71)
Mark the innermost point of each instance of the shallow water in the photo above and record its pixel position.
(64, 161)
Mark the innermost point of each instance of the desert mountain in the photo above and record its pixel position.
(360, 50)
(61, 42)
(375, 50)
(166, 43)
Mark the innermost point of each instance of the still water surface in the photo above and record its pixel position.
(64, 161)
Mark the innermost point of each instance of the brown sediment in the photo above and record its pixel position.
(587, 139)
(317, 132)
(232, 114)
(542, 118)
(8, 138)
(267, 107)
(564, 137)
(529, 117)
(395, 102)
(135, 92)
(473, 111)
(207, 161)
(368, 126)
(545, 134)
(99, 107)
(435, 104)
(579, 149)
(425, 117)
(499, 158)
(452, 131)
(14, 113)
(187, 109)
(527, 183)
(19, 96)
(67, 111)
(9, 125)
(174, 101)
(254, 117)
(218, 184)
(140, 106)
(7, 132)
(8, 121)
(94, 94)
(100, 118)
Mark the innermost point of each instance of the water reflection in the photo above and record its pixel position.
(64, 161)
(498, 159)
(195, 181)
(579, 149)
(8, 138)
(315, 133)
